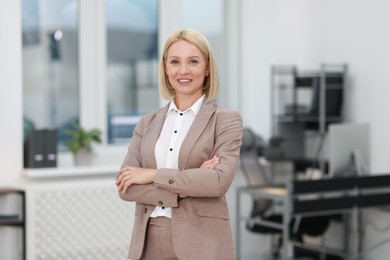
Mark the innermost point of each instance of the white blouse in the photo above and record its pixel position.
(175, 128)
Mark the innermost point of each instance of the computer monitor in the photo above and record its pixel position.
(349, 149)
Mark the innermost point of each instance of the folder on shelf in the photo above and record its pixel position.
(50, 149)
(33, 150)
(40, 149)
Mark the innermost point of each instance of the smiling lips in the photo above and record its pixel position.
(184, 81)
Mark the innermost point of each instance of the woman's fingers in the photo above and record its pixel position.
(127, 168)
(124, 185)
(119, 178)
(134, 175)
(210, 164)
(123, 177)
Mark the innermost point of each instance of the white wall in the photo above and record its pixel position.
(10, 92)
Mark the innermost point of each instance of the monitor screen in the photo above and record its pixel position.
(349, 149)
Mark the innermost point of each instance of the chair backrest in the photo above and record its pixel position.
(253, 171)
(249, 160)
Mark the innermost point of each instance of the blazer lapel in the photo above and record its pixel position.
(152, 137)
(196, 130)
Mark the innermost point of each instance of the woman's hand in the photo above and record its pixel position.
(134, 175)
(210, 164)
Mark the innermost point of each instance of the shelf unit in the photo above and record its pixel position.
(17, 219)
(304, 103)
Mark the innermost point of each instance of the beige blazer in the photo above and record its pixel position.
(200, 217)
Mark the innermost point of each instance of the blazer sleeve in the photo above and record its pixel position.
(199, 182)
(150, 193)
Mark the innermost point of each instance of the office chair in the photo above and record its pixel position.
(255, 175)
(263, 209)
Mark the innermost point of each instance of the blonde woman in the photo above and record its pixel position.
(182, 160)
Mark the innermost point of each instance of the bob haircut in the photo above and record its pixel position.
(211, 82)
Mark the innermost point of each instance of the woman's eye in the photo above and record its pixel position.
(174, 61)
(194, 62)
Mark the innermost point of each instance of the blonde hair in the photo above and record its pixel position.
(211, 82)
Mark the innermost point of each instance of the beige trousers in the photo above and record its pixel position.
(158, 241)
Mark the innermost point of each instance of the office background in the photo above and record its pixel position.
(259, 34)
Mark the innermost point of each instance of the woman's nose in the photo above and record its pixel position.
(183, 69)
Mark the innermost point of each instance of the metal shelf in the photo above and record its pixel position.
(304, 101)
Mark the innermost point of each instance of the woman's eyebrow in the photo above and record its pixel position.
(177, 57)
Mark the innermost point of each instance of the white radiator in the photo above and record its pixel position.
(77, 219)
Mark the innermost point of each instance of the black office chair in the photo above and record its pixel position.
(263, 209)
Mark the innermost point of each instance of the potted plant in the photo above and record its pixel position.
(80, 143)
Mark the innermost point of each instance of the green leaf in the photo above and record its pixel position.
(82, 138)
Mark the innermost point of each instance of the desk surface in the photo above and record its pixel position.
(274, 191)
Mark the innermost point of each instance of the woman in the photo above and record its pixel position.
(182, 159)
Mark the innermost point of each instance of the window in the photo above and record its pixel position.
(97, 61)
(132, 64)
(50, 63)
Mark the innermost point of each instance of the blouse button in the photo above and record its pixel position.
(170, 181)
(160, 202)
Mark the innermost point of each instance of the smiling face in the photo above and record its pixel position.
(186, 69)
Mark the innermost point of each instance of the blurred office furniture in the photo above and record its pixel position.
(256, 175)
(265, 217)
(303, 104)
(274, 151)
(17, 219)
(323, 197)
(349, 149)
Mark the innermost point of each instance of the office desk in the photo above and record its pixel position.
(318, 198)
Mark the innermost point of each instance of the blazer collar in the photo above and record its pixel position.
(196, 130)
